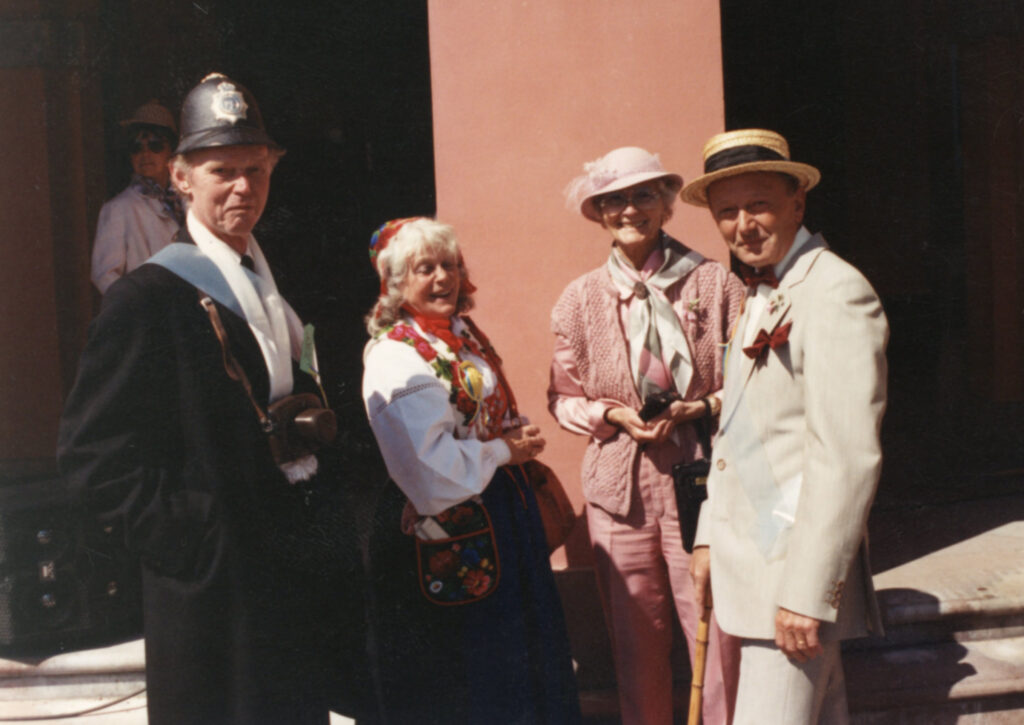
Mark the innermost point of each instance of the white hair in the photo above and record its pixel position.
(393, 266)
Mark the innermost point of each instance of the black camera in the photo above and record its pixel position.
(655, 404)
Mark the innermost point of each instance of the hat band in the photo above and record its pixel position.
(740, 155)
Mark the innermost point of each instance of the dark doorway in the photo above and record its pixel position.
(912, 110)
(345, 87)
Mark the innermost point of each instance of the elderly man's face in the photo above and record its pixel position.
(227, 188)
(758, 216)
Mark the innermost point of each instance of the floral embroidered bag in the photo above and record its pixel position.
(456, 555)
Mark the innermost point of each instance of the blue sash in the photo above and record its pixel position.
(189, 263)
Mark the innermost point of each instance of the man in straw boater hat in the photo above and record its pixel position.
(797, 458)
(173, 438)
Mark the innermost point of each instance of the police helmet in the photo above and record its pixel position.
(221, 112)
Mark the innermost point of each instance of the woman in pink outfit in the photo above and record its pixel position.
(649, 324)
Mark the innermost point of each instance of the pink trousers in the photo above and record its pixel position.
(644, 575)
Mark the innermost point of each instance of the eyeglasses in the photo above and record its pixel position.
(155, 145)
(641, 198)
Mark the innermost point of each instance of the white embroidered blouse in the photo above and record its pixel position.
(435, 457)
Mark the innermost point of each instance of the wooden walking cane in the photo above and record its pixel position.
(699, 660)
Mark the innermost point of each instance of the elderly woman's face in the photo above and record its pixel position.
(150, 153)
(431, 285)
(634, 215)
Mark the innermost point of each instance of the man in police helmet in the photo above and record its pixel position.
(174, 435)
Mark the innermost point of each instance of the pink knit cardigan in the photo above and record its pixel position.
(587, 316)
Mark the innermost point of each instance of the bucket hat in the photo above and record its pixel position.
(151, 113)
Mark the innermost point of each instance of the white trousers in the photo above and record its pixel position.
(775, 690)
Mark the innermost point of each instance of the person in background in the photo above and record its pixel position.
(142, 219)
(783, 534)
(648, 323)
(445, 420)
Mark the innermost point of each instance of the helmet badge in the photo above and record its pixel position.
(228, 103)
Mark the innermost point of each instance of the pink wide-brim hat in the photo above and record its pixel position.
(618, 169)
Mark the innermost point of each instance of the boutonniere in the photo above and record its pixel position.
(775, 302)
(764, 342)
(693, 310)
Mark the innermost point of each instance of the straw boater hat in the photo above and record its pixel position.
(738, 152)
(618, 169)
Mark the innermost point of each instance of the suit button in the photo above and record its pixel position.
(721, 464)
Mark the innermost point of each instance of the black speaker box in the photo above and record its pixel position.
(65, 582)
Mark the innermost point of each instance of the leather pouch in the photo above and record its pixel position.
(691, 485)
(456, 555)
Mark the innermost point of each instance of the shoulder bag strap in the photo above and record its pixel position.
(233, 368)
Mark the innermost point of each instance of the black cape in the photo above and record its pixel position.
(157, 441)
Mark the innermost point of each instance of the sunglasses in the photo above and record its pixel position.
(641, 199)
(155, 145)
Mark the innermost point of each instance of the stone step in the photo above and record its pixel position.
(919, 674)
(953, 650)
(102, 685)
(971, 589)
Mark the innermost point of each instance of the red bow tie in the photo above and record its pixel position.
(763, 342)
(752, 278)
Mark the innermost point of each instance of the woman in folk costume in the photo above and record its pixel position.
(647, 325)
(468, 623)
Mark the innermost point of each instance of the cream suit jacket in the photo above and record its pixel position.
(796, 462)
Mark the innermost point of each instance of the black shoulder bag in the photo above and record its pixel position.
(691, 481)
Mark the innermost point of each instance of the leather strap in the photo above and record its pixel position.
(231, 365)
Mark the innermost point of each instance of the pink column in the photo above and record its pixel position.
(523, 94)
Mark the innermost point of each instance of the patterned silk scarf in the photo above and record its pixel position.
(167, 197)
(653, 326)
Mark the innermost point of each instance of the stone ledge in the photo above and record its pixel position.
(126, 657)
(131, 711)
(980, 575)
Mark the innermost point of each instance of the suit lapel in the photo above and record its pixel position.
(773, 315)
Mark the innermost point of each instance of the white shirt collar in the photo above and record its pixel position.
(274, 324)
(802, 237)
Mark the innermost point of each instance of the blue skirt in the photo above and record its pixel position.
(501, 660)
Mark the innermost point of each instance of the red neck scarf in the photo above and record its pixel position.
(440, 327)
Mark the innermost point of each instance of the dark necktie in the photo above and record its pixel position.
(248, 263)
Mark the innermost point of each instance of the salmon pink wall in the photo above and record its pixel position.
(523, 94)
